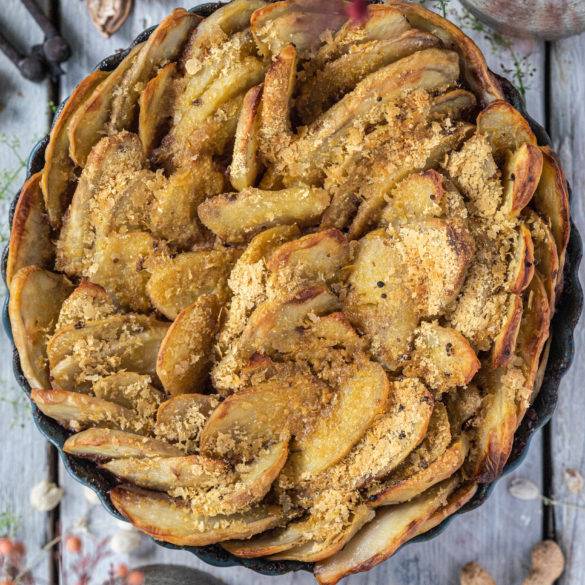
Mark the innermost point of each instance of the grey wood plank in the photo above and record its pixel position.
(23, 120)
(567, 123)
(487, 535)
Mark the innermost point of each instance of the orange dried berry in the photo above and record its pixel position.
(135, 578)
(6, 546)
(18, 548)
(73, 544)
(122, 570)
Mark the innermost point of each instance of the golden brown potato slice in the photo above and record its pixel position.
(521, 269)
(338, 77)
(102, 444)
(178, 283)
(287, 402)
(181, 418)
(36, 296)
(505, 128)
(381, 537)
(532, 335)
(455, 104)
(442, 357)
(390, 439)
(162, 46)
(236, 217)
(505, 340)
(317, 550)
(551, 200)
(89, 122)
(130, 342)
(130, 390)
(77, 411)
(184, 357)
(166, 473)
(401, 489)
(463, 404)
(30, 236)
(119, 266)
(59, 170)
(474, 67)
(173, 215)
(245, 166)
(280, 23)
(418, 196)
(171, 520)
(88, 302)
(455, 501)
(155, 107)
(495, 424)
(361, 396)
(377, 301)
(521, 175)
(546, 258)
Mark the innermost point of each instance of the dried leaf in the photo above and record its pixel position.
(109, 15)
(523, 489)
(574, 480)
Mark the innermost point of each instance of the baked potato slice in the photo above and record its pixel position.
(361, 397)
(163, 45)
(505, 340)
(119, 342)
(245, 166)
(237, 216)
(505, 128)
(521, 175)
(119, 264)
(77, 411)
(59, 170)
(36, 297)
(317, 550)
(184, 357)
(179, 282)
(521, 269)
(262, 245)
(101, 444)
(170, 520)
(456, 104)
(381, 537)
(88, 302)
(30, 237)
(89, 123)
(155, 107)
(551, 200)
(273, 542)
(442, 357)
(167, 473)
(274, 131)
(340, 76)
(463, 404)
(399, 489)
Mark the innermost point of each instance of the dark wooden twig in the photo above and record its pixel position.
(30, 66)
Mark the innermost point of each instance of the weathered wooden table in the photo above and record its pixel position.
(501, 533)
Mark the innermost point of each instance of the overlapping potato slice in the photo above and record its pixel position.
(77, 411)
(245, 165)
(179, 282)
(521, 269)
(505, 340)
(88, 302)
(184, 357)
(59, 170)
(442, 357)
(463, 404)
(173, 215)
(119, 265)
(166, 473)
(235, 217)
(30, 236)
(78, 356)
(455, 104)
(36, 296)
(89, 122)
(338, 77)
(381, 537)
(404, 488)
(173, 521)
(102, 444)
(162, 46)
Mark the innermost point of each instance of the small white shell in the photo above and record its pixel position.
(125, 541)
(523, 489)
(45, 496)
(90, 496)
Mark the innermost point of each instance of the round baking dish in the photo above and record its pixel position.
(557, 358)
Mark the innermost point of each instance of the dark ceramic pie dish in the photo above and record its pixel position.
(556, 361)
